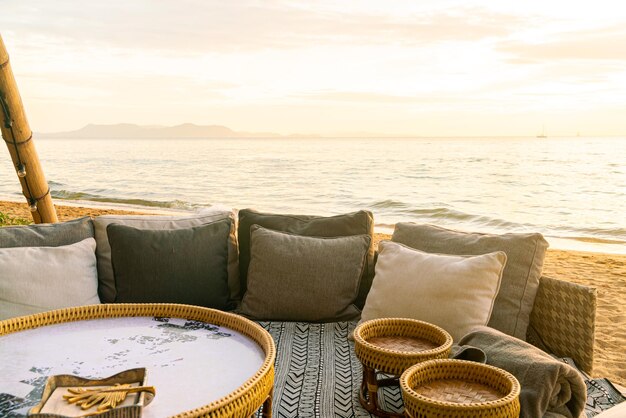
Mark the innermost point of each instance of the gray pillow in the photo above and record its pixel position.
(106, 282)
(299, 278)
(47, 235)
(171, 266)
(356, 223)
(520, 279)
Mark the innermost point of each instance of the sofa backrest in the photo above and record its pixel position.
(47, 235)
(563, 320)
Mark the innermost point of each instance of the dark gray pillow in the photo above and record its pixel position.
(47, 235)
(171, 266)
(298, 278)
(356, 223)
(106, 280)
(520, 278)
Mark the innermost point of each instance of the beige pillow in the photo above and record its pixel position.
(455, 292)
(520, 279)
(299, 278)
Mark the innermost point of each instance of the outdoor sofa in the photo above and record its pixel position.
(256, 269)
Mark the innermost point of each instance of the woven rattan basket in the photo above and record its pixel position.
(391, 345)
(460, 389)
(243, 402)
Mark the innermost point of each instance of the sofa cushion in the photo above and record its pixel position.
(318, 374)
(39, 279)
(520, 279)
(356, 223)
(454, 292)
(46, 235)
(171, 266)
(106, 287)
(300, 278)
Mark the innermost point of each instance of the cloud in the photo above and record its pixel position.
(433, 101)
(607, 44)
(358, 97)
(121, 91)
(196, 26)
(261, 64)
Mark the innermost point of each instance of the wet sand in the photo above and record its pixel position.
(64, 213)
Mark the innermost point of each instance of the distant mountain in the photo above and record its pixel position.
(129, 130)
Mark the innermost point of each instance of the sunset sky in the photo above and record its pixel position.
(424, 68)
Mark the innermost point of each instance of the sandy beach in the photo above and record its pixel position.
(606, 272)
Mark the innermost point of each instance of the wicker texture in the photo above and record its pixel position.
(562, 321)
(447, 388)
(402, 342)
(241, 403)
(458, 391)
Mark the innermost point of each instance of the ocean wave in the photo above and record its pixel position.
(387, 204)
(614, 233)
(451, 215)
(469, 222)
(390, 211)
(171, 204)
(594, 240)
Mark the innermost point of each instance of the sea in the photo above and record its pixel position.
(571, 189)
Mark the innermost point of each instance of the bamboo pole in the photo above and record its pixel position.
(19, 139)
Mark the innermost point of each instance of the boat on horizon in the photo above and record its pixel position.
(543, 133)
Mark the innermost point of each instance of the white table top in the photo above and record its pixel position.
(190, 363)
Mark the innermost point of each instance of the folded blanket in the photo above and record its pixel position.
(548, 386)
(469, 353)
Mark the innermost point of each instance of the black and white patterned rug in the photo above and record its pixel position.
(318, 374)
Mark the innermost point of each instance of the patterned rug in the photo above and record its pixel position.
(318, 374)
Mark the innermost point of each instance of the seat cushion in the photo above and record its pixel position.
(356, 223)
(520, 279)
(299, 278)
(186, 266)
(318, 374)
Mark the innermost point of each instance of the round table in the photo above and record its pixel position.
(202, 362)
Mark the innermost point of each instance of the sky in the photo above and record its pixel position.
(344, 68)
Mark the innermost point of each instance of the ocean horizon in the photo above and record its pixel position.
(571, 189)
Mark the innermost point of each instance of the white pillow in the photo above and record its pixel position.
(39, 279)
(454, 292)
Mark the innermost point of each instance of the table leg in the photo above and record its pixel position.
(368, 395)
(267, 405)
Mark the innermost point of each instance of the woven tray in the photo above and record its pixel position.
(457, 388)
(391, 345)
(244, 401)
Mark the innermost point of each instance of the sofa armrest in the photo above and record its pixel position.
(562, 321)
